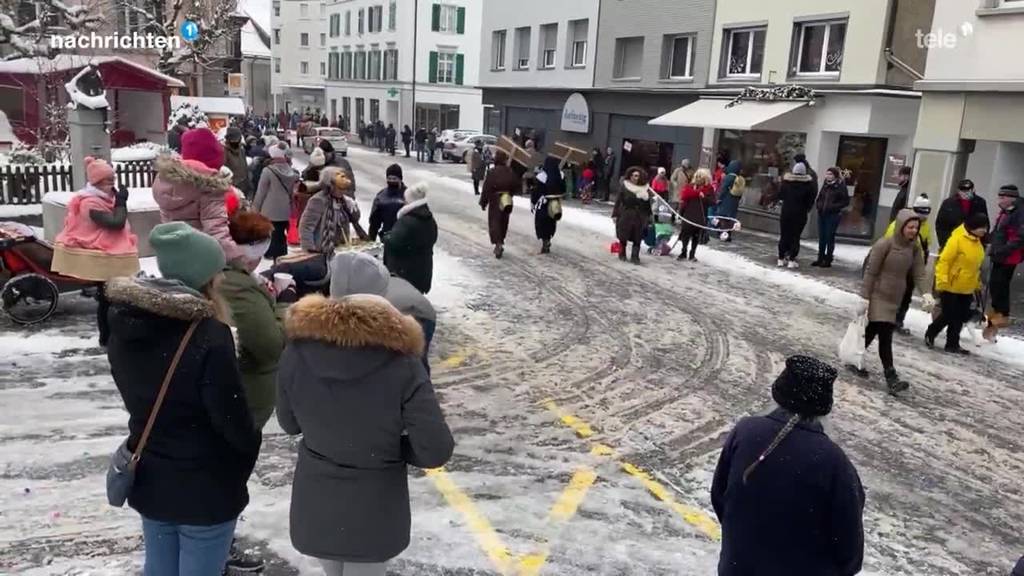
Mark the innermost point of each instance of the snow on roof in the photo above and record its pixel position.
(6, 132)
(258, 10)
(73, 62)
(252, 42)
(212, 104)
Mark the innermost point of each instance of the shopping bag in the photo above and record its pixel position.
(851, 348)
(615, 248)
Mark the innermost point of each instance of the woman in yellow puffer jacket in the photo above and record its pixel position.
(957, 277)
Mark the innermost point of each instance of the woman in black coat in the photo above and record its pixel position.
(789, 500)
(832, 200)
(549, 187)
(190, 483)
(409, 249)
(406, 138)
(797, 194)
(632, 212)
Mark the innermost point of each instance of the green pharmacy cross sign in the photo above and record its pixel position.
(392, 92)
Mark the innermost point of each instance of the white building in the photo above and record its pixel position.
(298, 39)
(412, 62)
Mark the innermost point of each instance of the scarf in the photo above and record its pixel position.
(333, 219)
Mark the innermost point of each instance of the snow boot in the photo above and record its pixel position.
(545, 247)
(622, 253)
(635, 260)
(499, 250)
(860, 372)
(894, 383)
(990, 333)
(958, 350)
(929, 340)
(818, 262)
(241, 563)
(827, 263)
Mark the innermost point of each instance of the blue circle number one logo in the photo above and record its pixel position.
(189, 30)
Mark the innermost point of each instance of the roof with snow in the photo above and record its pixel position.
(212, 104)
(253, 42)
(63, 62)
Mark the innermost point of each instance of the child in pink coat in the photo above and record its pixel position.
(97, 242)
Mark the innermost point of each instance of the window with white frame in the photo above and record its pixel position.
(333, 25)
(818, 47)
(392, 15)
(578, 32)
(391, 63)
(374, 62)
(498, 38)
(449, 18)
(744, 52)
(277, 65)
(629, 57)
(522, 48)
(277, 36)
(304, 39)
(323, 10)
(304, 67)
(323, 40)
(304, 10)
(374, 18)
(346, 64)
(131, 15)
(323, 69)
(360, 65)
(677, 56)
(547, 46)
(277, 8)
(445, 67)
(362, 19)
(348, 22)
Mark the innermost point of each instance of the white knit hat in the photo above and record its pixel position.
(922, 205)
(278, 150)
(317, 158)
(416, 192)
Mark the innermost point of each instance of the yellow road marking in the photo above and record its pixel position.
(454, 361)
(486, 537)
(582, 429)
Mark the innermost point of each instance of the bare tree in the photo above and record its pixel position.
(26, 26)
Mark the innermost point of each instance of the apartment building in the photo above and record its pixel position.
(409, 62)
(298, 38)
(971, 122)
(859, 58)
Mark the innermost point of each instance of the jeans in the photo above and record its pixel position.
(183, 550)
(336, 568)
(421, 152)
(956, 311)
(828, 225)
(406, 144)
(999, 286)
(883, 330)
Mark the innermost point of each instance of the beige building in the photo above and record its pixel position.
(972, 111)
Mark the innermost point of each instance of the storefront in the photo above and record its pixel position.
(861, 133)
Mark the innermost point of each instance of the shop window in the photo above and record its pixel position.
(818, 48)
(498, 49)
(744, 52)
(863, 159)
(346, 108)
(443, 116)
(765, 156)
(629, 57)
(523, 48)
(578, 31)
(548, 42)
(677, 57)
(646, 153)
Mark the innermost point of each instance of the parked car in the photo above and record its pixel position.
(458, 150)
(453, 134)
(335, 136)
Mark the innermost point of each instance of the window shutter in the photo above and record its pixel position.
(435, 17)
(432, 74)
(459, 61)
(460, 20)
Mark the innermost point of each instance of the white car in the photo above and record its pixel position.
(454, 134)
(458, 150)
(335, 136)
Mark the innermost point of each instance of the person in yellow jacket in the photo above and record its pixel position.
(922, 208)
(957, 277)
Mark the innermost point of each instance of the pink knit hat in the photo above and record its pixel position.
(96, 169)
(201, 144)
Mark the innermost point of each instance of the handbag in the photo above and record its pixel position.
(121, 471)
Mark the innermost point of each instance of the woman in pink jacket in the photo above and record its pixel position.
(192, 189)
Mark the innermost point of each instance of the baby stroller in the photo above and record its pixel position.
(30, 290)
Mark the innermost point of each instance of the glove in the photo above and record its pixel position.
(121, 198)
(861, 308)
(928, 302)
(288, 295)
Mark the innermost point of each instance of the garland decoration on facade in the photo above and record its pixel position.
(779, 93)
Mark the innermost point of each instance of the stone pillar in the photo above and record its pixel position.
(89, 137)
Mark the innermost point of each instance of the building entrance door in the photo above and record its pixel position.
(865, 159)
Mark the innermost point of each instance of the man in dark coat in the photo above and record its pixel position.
(501, 181)
(903, 196)
(409, 249)
(175, 133)
(955, 210)
(406, 138)
(380, 136)
(387, 203)
(431, 144)
(797, 194)
(421, 143)
(234, 159)
(1007, 251)
(789, 500)
(389, 139)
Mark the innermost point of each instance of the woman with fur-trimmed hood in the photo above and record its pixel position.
(632, 212)
(352, 382)
(191, 188)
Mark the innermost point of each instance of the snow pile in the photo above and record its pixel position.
(18, 210)
(137, 152)
(139, 199)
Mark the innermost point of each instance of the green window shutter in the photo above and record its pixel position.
(460, 20)
(432, 75)
(459, 61)
(435, 17)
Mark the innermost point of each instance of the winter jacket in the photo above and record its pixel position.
(632, 211)
(951, 215)
(958, 269)
(900, 202)
(833, 198)
(409, 249)
(797, 195)
(174, 137)
(421, 136)
(1008, 235)
(477, 168)
(680, 178)
(389, 137)
(257, 320)
(799, 513)
(924, 234)
(406, 135)
(311, 225)
(384, 211)
(234, 159)
(885, 276)
(728, 200)
(660, 186)
(335, 159)
(87, 249)
(693, 206)
(500, 179)
(351, 381)
(203, 445)
(188, 191)
(274, 193)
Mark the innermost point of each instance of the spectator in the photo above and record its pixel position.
(274, 198)
(955, 210)
(409, 249)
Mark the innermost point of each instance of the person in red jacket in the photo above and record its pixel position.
(1006, 252)
(693, 206)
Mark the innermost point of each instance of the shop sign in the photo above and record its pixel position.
(393, 93)
(893, 163)
(576, 114)
(235, 85)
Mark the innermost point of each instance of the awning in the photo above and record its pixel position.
(222, 106)
(712, 113)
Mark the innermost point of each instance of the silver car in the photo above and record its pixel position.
(335, 136)
(458, 150)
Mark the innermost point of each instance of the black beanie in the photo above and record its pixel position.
(1009, 190)
(394, 170)
(975, 221)
(805, 386)
(326, 146)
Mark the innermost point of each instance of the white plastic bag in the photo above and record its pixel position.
(851, 349)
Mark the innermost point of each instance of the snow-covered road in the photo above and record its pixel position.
(588, 400)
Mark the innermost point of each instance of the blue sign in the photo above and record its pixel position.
(189, 31)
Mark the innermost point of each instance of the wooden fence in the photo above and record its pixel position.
(27, 184)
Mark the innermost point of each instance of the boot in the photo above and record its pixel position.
(894, 382)
(241, 563)
(818, 262)
(499, 250)
(860, 372)
(622, 253)
(990, 332)
(545, 247)
(827, 262)
(997, 319)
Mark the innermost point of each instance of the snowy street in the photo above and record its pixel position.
(588, 399)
